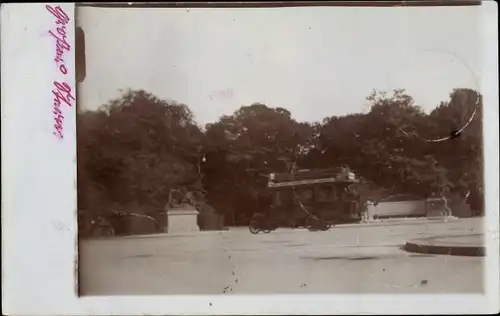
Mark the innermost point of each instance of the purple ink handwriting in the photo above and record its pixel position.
(61, 90)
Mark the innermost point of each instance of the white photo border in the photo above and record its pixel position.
(39, 230)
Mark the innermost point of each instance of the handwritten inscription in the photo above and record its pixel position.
(61, 90)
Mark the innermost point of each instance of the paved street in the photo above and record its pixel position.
(348, 260)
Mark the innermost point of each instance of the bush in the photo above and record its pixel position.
(209, 219)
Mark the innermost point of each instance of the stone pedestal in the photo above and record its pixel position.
(182, 219)
(437, 207)
(396, 209)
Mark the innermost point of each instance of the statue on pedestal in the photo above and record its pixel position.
(182, 200)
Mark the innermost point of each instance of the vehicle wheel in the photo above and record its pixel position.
(326, 226)
(311, 224)
(254, 229)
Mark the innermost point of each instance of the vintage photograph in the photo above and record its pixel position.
(286, 150)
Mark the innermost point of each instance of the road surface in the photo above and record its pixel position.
(344, 260)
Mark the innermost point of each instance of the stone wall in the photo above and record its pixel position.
(396, 209)
(420, 208)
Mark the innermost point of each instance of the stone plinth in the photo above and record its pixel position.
(437, 207)
(396, 209)
(182, 219)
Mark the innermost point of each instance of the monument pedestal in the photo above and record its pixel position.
(437, 207)
(182, 219)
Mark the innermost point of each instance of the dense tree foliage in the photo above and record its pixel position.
(135, 149)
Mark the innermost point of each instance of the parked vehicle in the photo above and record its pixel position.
(315, 199)
(260, 223)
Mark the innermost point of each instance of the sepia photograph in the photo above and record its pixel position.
(279, 150)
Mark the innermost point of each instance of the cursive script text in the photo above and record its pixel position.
(62, 94)
(61, 90)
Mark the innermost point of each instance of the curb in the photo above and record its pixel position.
(421, 246)
(395, 223)
(158, 235)
(171, 235)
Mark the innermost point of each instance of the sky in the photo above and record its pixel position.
(315, 62)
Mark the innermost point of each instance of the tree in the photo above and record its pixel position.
(377, 146)
(134, 150)
(243, 148)
(462, 154)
